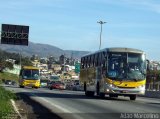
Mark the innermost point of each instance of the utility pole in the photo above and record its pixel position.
(63, 66)
(64, 63)
(101, 23)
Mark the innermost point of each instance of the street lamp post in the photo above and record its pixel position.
(101, 23)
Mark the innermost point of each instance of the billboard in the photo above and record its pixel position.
(14, 34)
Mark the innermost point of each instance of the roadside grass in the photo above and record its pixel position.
(6, 108)
(8, 76)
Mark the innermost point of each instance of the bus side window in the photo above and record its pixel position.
(85, 62)
(96, 60)
(88, 61)
(82, 63)
(99, 59)
(103, 60)
(93, 60)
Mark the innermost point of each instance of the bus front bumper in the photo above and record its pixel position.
(33, 84)
(125, 91)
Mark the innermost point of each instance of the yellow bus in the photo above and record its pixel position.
(114, 71)
(29, 76)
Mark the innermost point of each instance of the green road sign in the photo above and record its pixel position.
(77, 67)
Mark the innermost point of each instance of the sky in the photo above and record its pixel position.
(72, 24)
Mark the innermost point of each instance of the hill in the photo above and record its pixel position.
(42, 50)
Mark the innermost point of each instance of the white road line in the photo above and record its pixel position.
(16, 109)
(55, 105)
(59, 107)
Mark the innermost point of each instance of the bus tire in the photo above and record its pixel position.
(50, 88)
(102, 95)
(113, 96)
(21, 86)
(85, 86)
(132, 97)
(97, 89)
(86, 93)
(89, 93)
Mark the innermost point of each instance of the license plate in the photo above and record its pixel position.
(124, 91)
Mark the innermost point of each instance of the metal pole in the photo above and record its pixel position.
(63, 66)
(101, 23)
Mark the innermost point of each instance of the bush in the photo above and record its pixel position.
(5, 104)
(8, 76)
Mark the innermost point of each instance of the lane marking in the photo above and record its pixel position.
(16, 109)
(55, 105)
(59, 107)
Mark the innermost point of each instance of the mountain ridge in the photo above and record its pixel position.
(42, 50)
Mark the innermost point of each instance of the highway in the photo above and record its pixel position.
(74, 104)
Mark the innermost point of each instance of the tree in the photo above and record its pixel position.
(26, 61)
(5, 64)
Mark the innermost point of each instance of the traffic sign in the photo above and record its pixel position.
(77, 67)
(14, 34)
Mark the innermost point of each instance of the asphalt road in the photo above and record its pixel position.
(74, 104)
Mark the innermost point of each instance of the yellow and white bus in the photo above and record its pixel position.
(114, 71)
(29, 76)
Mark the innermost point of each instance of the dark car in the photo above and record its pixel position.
(8, 82)
(14, 83)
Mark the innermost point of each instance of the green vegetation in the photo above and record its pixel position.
(4, 56)
(5, 104)
(8, 76)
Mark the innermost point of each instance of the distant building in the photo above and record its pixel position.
(154, 65)
(36, 63)
(11, 60)
(56, 68)
(16, 69)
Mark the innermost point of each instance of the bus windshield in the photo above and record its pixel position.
(126, 66)
(30, 74)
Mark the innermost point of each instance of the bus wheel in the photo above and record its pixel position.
(85, 86)
(113, 96)
(50, 88)
(89, 93)
(21, 86)
(102, 95)
(132, 97)
(97, 88)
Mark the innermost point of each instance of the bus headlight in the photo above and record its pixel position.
(141, 86)
(112, 85)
